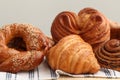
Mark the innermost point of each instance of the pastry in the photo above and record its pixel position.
(65, 23)
(90, 24)
(71, 54)
(94, 26)
(32, 42)
(108, 54)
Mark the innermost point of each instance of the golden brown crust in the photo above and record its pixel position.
(94, 26)
(65, 23)
(15, 61)
(90, 24)
(33, 37)
(108, 55)
(71, 54)
(37, 44)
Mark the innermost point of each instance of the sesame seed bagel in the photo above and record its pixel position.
(35, 45)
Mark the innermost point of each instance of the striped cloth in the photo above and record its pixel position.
(43, 71)
(103, 73)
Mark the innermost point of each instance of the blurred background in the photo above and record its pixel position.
(41, 13)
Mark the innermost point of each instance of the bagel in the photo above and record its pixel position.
(34, 46)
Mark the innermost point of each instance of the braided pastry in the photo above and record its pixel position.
(34, 47)
(64, 24)
(95, 28)
(90, 24)
(71, 54)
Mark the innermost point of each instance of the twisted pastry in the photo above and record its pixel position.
(34, 42)
(64, 24)
(90, 24)
(108, 55)
(95, 28)
(71, 54)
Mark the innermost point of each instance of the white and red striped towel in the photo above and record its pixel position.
(45, 72)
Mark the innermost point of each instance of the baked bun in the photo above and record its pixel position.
(108, 55)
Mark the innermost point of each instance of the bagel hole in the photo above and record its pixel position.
(17, 43)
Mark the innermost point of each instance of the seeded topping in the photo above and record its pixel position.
(34, 40)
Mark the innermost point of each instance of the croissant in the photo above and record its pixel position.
(71, 54)
(108, 55)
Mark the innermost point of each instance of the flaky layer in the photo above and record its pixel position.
(71, 54)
